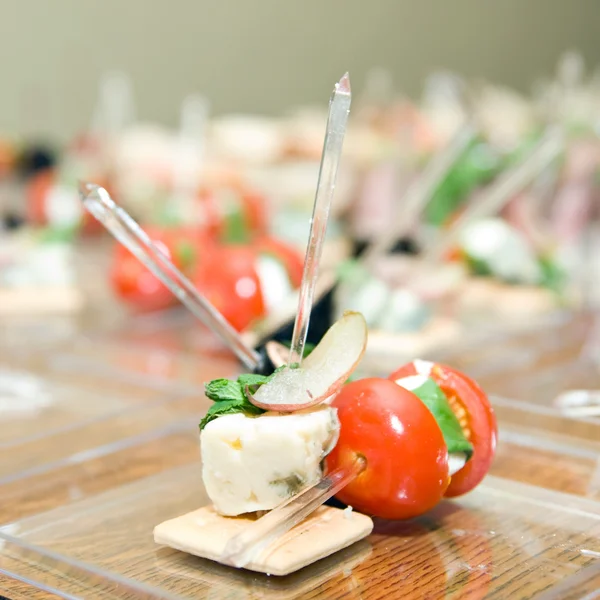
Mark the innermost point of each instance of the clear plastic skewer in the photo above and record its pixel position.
(97, 200)
(339, 108)
(241, 549)
(244, 547)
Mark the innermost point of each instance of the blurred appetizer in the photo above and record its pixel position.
(37, 274)
(511, 278)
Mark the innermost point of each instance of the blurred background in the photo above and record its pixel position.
(467, 192)
(265, 56)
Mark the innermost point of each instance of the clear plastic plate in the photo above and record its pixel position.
(132, 458)
(504, 540)
(144, 366)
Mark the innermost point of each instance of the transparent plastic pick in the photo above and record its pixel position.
(97, 201)
(245, 546)
(339, 108)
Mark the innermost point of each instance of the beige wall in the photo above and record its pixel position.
(263, 55)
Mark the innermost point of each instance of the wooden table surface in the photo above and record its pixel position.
(444, 555)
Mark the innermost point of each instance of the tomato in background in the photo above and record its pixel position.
(137, 286)
(406, 471)
(230, 282)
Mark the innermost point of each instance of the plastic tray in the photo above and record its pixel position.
(132, 458)
(158, 368)
(505, 540)
(37, 455)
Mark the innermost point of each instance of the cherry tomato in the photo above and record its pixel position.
(286, 253)
(230, 282)
(475, 414)
(136, 285)
(406, 470)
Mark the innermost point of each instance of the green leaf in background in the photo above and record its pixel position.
(308, 348)
(235, 231)
(351, 271)
(434, 399)
(186, 254)
(478, 267)
(53, 235)
(478, 165)
(553, 277)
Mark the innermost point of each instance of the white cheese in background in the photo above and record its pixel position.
(254, 463)
(63, 207)
(503, 249)
(369, 298)
(405, 311)
(275, 284)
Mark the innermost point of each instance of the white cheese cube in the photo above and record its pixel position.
(254, 463)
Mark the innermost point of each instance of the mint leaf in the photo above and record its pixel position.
(223, 390)
(434, 399)
(250, 379)
(229, 397)
(228, 407)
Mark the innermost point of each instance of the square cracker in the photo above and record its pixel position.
(205, 533)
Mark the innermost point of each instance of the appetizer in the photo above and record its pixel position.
(511, 278)
(37, 273)
(268, 437)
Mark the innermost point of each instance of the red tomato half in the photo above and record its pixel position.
(475, 414)
(406, 470)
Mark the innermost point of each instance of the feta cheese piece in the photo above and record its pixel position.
(254, 463)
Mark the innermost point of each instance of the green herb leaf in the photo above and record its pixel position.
(228, 407)
(224, 390)
(57, 235)
(434, 399)
(250, 379)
